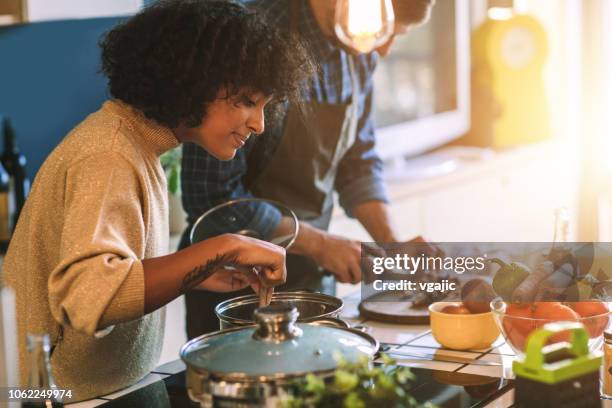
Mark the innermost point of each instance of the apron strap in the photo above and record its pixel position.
(355, 88)
(351, 133)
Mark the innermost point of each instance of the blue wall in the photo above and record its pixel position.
(49, 80)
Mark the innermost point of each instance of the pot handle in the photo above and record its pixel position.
(361, 328)
(276, 323)
(330, 321)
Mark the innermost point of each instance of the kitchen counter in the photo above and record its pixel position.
(164, 387)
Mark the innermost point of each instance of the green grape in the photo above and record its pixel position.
(385, 382)
(314, 384)
(386, 359)
(353, 400)
(355, 385)
(345, 381)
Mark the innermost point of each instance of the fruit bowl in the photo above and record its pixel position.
(517, 321)
(461, 331)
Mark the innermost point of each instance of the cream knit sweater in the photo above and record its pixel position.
(98, 206)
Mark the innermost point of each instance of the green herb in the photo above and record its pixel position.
(171, 162)
(355, 385)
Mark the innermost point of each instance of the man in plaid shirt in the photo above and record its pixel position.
(302, 161)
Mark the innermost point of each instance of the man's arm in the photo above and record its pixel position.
(375, 218)
(359, 180)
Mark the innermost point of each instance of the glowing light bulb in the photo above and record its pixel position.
(364, 25)
(500, 13)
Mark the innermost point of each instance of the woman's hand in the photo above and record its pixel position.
(230, 280)
(222, 264)
(251, 262)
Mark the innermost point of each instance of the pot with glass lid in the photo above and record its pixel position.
(252, 366)
(312, 308)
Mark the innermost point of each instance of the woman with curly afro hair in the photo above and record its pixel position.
(88, 259)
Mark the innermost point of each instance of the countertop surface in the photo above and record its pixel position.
(165, 384)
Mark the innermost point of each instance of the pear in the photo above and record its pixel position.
(508, 277)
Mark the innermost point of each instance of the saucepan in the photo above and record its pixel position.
(253, 366)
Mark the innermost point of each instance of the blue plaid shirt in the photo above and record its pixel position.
(207, 181)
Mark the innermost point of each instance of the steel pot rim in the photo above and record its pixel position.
(277, 296)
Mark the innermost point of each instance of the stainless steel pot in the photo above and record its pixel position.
(251, 366)
(311, 307)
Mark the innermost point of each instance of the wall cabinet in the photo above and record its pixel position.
(12, 12)
(18, 11)
(507, 196)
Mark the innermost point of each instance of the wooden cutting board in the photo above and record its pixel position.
(393, 307)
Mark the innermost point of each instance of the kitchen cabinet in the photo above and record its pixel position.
(11, 12)
(404, 213)
(464, 211)
(19, 11)
(491, 196)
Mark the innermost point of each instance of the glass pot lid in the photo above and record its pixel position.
(239, 311)
(276, 347)
(267, 220)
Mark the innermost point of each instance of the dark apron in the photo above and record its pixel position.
(300, 174)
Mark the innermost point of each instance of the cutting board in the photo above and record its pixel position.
(393, 307)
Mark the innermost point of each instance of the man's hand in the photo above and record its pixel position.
(419, 245)
(415, 247)
(340, 256)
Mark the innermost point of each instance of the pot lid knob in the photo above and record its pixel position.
(276, 323)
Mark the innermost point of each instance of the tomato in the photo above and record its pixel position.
(586, 309)
(519, 316)
(553, 311)
(515, 337)
(594, 325)
(518, 324)
(548, 312)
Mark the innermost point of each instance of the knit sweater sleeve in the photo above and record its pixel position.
(99, 280)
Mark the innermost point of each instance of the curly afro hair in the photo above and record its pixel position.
(170, 60)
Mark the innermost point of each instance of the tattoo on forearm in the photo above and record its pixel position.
(202, 272)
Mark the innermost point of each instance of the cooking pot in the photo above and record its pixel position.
(311, 307)
(251, 366)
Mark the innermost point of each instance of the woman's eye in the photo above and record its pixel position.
(248, 102)
(244, 100)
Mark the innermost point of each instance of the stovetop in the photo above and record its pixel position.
(167, 393)
(430, 385)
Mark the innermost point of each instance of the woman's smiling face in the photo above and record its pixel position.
(228, 124)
